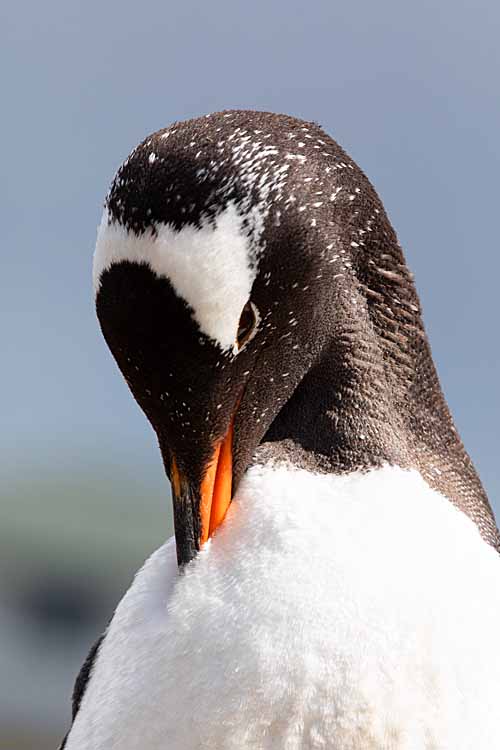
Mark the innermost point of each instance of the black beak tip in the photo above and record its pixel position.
(186, 551)
(187, 525)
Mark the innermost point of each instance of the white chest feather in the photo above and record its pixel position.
(348, 613)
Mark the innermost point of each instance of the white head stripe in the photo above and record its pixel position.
(212, 268)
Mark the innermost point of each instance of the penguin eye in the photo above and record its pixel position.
(247, 324)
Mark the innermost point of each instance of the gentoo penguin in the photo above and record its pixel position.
(334, 581)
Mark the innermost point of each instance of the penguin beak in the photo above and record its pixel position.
(199, 510)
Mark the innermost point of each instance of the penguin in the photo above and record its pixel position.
(334, 579)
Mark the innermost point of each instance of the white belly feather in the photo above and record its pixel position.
(349, 613)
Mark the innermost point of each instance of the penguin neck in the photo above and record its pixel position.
(343, 416)
(372, 398)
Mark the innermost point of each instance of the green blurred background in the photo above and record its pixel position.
(410, 89)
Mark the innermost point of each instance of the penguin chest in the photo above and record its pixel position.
(328, 612)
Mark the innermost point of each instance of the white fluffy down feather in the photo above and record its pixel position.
(348, 613)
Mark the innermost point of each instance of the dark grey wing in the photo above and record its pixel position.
(81, 683)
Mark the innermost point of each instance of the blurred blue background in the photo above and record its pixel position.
(409, 89)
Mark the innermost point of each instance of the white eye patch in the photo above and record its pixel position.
(212, 268)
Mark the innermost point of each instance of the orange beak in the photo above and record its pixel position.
(216, 487)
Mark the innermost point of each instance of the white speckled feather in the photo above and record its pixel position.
(347, 613)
